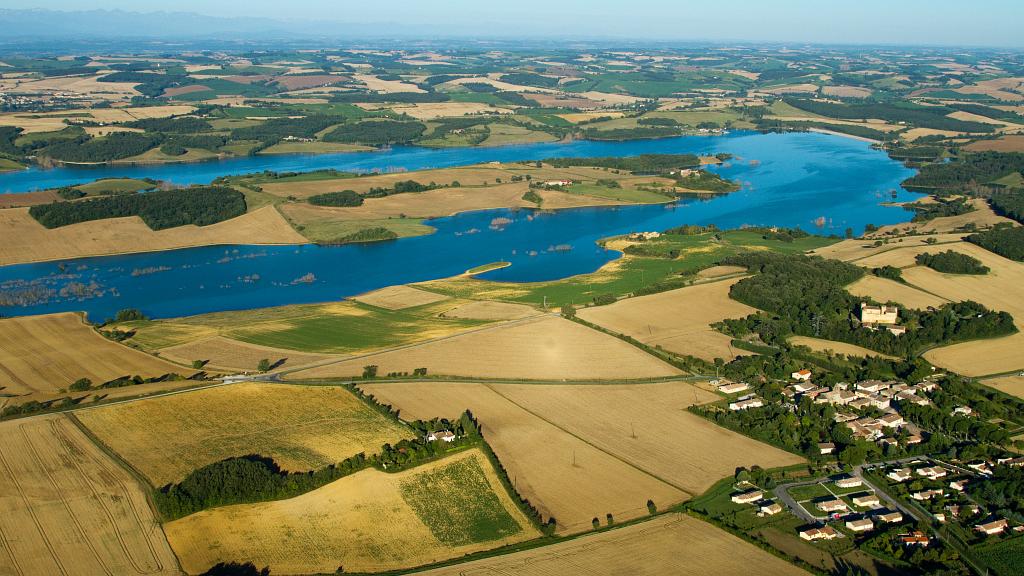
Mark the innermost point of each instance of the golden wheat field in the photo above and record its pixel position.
(559, 473)
(370, 521)
(649, 427)
(885, 290)
(678, 320)
(487, 310)
(981, 217)
(669, 544)
(820, 345)
(399, 297)
(23, 239)
(544, 349)
(39, 355)
(66, 508)
(998, 290)
(1012, 385)
(300, 427)
(228, 354)
(854, 250)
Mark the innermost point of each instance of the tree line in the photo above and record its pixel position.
(201, 206)
(951, 262)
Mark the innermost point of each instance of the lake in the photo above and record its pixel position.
(821, 183)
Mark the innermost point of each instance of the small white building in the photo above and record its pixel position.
(991, 528)
(748, 497)
(771, 509)
(860, 525)
(826, 448)
(442, 435)
(746, 404)
(802, 375)
(849, 482)
(823, 533)
(866, 500)
(890, 517)
(834, 505)
(734, 388)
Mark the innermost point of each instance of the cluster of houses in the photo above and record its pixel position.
(756, 497)
(938, 473)
(557, 183)
(442, 435)
(881, 317)
(644, 235)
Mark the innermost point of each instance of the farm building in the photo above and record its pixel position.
(890, 517)
(802, 375)
(915, 538)
(873, 315)
(849, 482)
(748, 497)
(746, 404)
(771, 509)
(443, 435)
(733, 387)
(823, 533)
(826, 448)
(558, 183)
(992, 528)
(834, 505)
(860, 525)
(866, 500)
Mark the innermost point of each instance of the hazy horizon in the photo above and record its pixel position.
(993, 23)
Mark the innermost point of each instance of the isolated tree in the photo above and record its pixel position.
(596, 523)
(568, 311)
(264, 365)
(197, 364)
(849, 232)
(609, 518)
(369, 371)
(651, 508)
(80, 385)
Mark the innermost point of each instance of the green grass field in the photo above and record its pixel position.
(619, 194)
(114, 186)
(1006, 557)
(458, 504)
(8, 165)
(629, 274)
(328, 229)
(342, 327)
(812, 492)
(313, 148)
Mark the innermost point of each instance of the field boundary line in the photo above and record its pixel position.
(146, 487)
(493, 326)
(588, 443)
(31, 512)
(62, 435)
(34, 451)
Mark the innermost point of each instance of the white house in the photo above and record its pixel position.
(802, 375)
(748, 497)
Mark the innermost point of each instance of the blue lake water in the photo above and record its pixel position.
(818, 182)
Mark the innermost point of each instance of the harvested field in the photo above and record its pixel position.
(718, 271)
(1012, 143)
(669, 544)
(467, 176)
(556, 200)
(981, 357)
(499, 84)
(182, 90)
(678, 320)
(399, 297)
(566, 101)
(548, 348)
(39, 355)
(998, 290)
(290, 83)
(1012, 385)
(434, 203)
(820, 345)
(792, 89)
(846, 91)
(370, 521)
(227, 354)
(69, 509)
(23, 239)
(576, 117)
(27, 199)
(432, 110)
(648, 426)
(884, 290)
(387, 86)
(486, 310)
(855, 250)
(561, 474)
(332, 328)
(982, 217)
(300, 427)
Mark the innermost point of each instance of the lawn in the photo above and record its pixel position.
(811, 492)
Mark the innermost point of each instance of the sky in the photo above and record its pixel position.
(916, 22)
